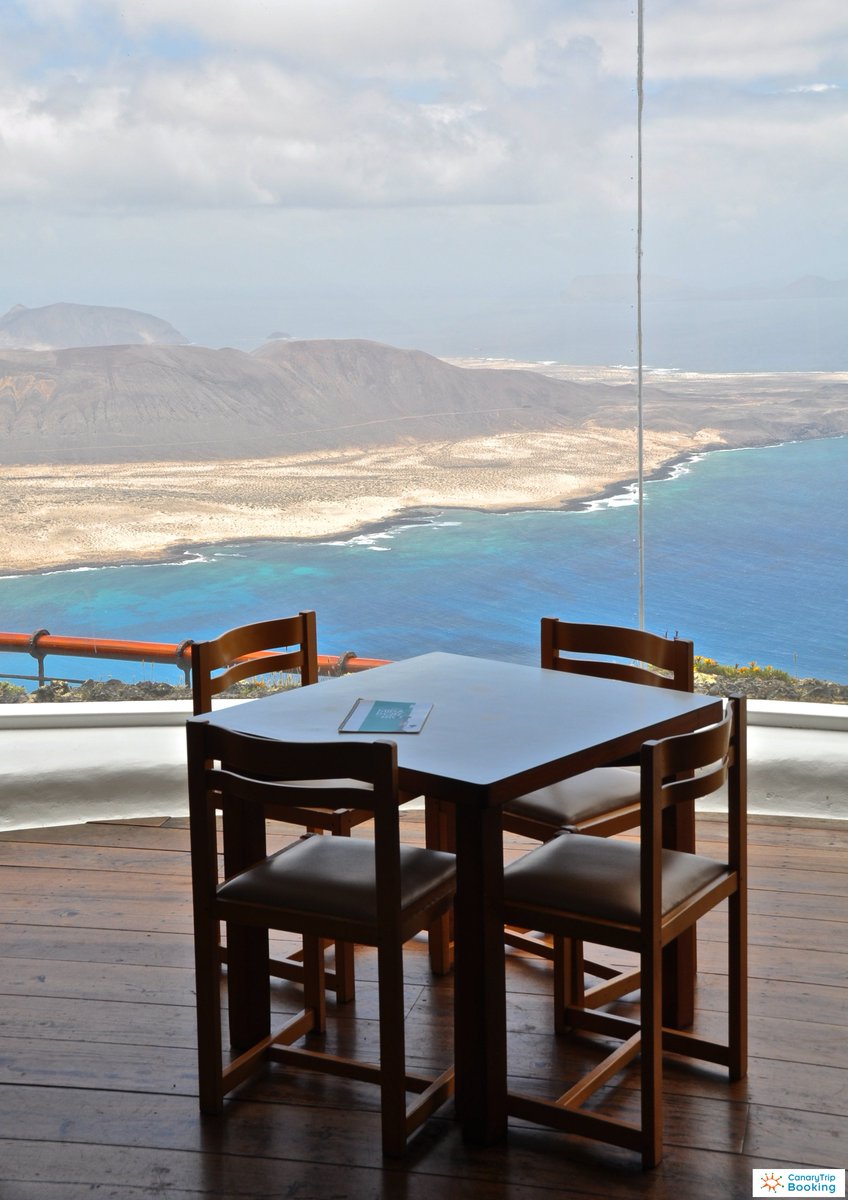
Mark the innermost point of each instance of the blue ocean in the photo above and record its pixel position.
(745, 554)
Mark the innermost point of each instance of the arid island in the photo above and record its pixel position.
(128, 452)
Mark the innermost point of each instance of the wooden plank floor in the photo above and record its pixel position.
(97, 1070)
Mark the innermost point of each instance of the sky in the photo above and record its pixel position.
(456, 177)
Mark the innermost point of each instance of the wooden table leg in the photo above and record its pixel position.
(680, 956)
(440, 835)
(480, 998)
(248, 986)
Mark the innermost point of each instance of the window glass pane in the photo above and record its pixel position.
(293, 203)
(746, 303)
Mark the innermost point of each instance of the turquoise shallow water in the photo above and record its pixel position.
(745, 553)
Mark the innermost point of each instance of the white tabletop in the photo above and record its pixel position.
(496, 729)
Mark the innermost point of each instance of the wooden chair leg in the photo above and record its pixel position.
(651, 1050)
(344, 967)
(439, 945)
(737, 980)
(248, 986)
(569, 988)
(209, 1050)
(392, 1049)
(314, 984)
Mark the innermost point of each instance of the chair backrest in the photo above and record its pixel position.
(240, 774)
(599, 650)
(241, 654)
(690, 766)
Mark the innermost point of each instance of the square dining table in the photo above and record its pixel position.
(496, 730)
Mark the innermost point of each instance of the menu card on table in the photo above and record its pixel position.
(386, 716)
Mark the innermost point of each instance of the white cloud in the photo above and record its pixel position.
(417, 115)
(243, 133)
(741, 41)
(345, 37)
(375, 102)
(267, 128)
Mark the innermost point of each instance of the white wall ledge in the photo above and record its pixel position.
(64, 764)
(71, 715)
(782, 713)
(789, 714)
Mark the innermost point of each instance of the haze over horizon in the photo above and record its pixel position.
(436, 178)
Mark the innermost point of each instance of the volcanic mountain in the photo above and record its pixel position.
(175, 403)
(58, 326)
(157, 403)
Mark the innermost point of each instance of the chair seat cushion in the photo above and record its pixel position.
(334, 877)
(600, 877)
(574, 800)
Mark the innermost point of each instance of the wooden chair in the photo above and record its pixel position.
(286, 645)
(601, 802)
(605, 801)
(639, 897)
(378, 893)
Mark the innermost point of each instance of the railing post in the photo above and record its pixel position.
(184, 659)
(38, 655)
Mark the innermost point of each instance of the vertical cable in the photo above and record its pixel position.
(640, 100)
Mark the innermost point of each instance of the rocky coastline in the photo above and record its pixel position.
(755, 682)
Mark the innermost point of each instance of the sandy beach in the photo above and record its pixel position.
(93, 514)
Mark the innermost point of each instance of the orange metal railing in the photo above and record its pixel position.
(178, 654)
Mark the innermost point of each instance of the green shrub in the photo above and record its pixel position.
(709, 666)
(764, 683)
(11, 693)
